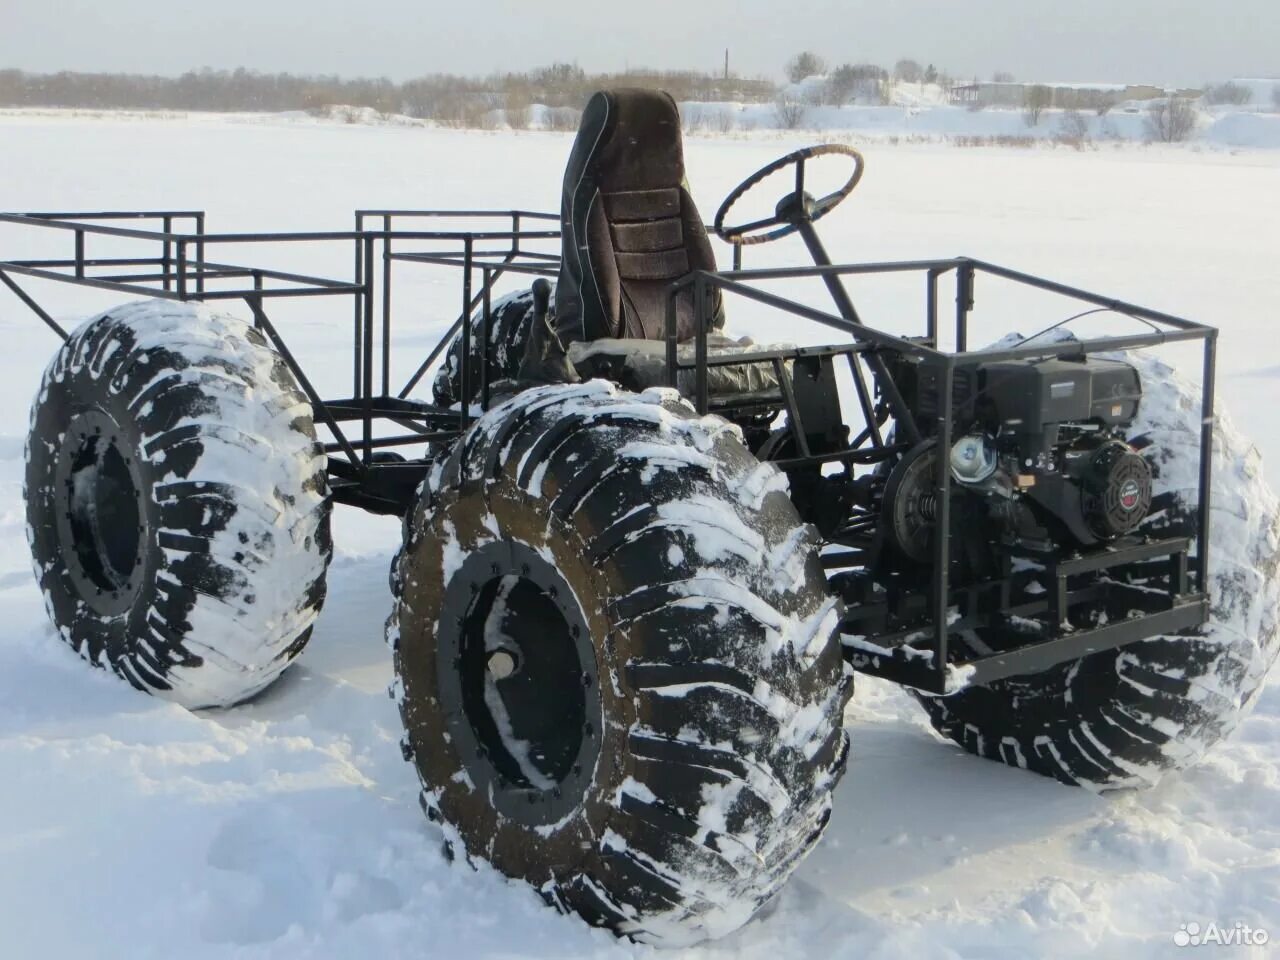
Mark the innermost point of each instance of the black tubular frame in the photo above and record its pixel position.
(914, 653)
(181, 271)
(899, 655)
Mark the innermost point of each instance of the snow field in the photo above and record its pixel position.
(289, 827)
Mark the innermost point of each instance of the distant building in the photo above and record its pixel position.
(1064, 96)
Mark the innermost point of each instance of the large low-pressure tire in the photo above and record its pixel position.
(511, 320)
(1124, 718)
(616, 661)
(176, 502)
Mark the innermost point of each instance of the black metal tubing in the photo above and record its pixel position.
(321, 408)
(1119, 306)
(942, 543)
(178, 276)
(33, 306)
(81, 226)
(464, 214)
(366, 392)
(357, 346)
(898, 655)
(166, 256)
(845, 269)
(386, 305)
(671, 330)
(94, 262)
(917, 667)
(851, 455)
(928, 668)
(408, 439)
(785, 353)
(119, 215)
(82, 223)
(1123, 553)
(964, 304)
(325, 236)
(865, 401)
(547, 269)
(133, 284)
(511, 260)
(1205, 499)
(486, 321)
(364, 290)
(931, 305)
(340, 286)
(798, 433)
(464, 359)
(352, 408)
(162, 279)
(733, 282)
(833, 281)
(1036, 657)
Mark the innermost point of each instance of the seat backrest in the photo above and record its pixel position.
(629, 226)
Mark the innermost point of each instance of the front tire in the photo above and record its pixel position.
(176, 503)
(1124, 718)
(616, 662)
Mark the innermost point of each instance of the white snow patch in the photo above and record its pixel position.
(290, 827)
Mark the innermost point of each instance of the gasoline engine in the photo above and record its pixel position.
(1039, 460)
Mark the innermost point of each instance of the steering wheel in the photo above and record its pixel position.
(793, 209)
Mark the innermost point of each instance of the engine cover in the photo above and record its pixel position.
(1029, 399)
(1115, 490)
(1031, 396)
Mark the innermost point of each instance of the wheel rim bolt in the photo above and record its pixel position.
(501, 664)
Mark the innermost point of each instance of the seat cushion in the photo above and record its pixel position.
(641, 364)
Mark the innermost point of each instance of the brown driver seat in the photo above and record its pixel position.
(629, 226)
(629, 229)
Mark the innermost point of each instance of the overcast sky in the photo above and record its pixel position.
(1160, 41)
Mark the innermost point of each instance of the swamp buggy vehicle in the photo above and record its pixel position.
(642, 560)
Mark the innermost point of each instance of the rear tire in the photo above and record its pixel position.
(511, 320)
(1124, 718)
(176, 502)
(616, 661)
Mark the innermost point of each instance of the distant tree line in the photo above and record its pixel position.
(561, 88)
(449, 99)
(222, 90)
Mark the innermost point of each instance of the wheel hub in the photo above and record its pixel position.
(101, 513)
(519, 683)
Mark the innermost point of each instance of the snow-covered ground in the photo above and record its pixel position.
(289, 827)
(1220, 127)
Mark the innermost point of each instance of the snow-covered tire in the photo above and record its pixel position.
(176, 502)
(511, 319)
(1124, 718)
(670, 774)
